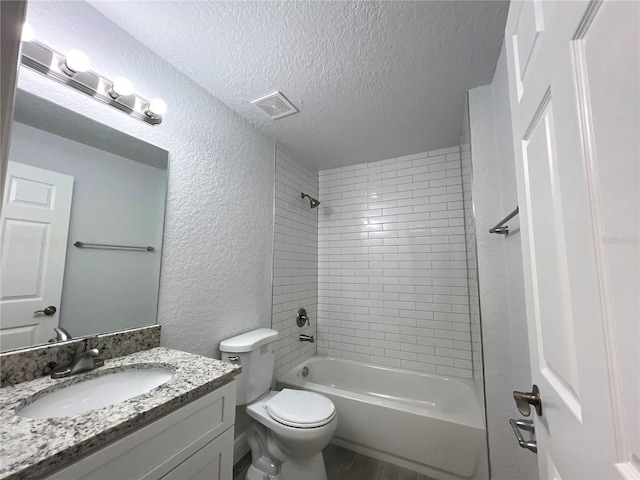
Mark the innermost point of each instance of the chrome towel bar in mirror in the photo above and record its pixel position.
(80, 244)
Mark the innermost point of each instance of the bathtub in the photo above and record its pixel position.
(428, 423)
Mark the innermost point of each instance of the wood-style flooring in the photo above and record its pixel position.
(343, 464)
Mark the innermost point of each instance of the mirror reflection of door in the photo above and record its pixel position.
(118, 184)
(33, 239)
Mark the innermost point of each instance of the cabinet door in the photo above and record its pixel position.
(214, 461)
(156, 449)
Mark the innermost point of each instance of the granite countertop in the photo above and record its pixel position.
(33, 447)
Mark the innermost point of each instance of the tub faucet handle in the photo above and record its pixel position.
(302, 318)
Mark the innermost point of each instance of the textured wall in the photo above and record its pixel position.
(115, 200)
(392, 281)
(216, 260)
(505, 342)
(295, 260)
(512, 249)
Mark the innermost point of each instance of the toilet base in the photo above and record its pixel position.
(281, 452)
(295, 468)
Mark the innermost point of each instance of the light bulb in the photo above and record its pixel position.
(27, 33)
(121, 88)
(75, 62)
(156, 108)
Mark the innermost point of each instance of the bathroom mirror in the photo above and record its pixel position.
(81, 227)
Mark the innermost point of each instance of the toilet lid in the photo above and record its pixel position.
(301, 409)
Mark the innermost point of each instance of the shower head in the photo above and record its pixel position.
(313, 203)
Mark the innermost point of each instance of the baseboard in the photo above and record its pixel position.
(240, 447)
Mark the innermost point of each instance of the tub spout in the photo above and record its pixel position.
(306, 338)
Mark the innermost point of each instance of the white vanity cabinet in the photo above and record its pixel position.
(193, 442)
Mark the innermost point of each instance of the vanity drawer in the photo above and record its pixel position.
(214, 461)
(159, 447)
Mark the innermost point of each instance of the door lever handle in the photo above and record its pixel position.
(524, 401)
(527, 425)
(50, 310)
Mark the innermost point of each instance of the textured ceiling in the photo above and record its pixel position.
(372, 80)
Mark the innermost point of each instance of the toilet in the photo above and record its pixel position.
(290, 428)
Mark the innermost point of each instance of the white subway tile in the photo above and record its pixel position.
(391, 262)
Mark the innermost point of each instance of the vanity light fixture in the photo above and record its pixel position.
(27, 33)
(121, 88)
(155, 108)
(74, 70)
(75, 62)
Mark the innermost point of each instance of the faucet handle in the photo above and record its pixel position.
(87, 345)
(61, 335)
(78, 348)
(91, 343)
(302, 318)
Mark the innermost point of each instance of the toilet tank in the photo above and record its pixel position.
(255, 352)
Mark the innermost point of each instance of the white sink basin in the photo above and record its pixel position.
(97, 392)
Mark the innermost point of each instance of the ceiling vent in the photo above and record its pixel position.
(275, 105)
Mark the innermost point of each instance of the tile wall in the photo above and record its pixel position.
(392, 267)
(295, 260)
(472, 250)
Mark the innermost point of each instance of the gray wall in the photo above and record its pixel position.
(116, 200)
(504, 325)
(216, 260)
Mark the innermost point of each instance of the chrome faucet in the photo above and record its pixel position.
(306, 338)
(84, 359)
(61, 335)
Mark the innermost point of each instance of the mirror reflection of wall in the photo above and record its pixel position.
(73, 179)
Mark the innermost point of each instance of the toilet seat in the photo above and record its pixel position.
(300, 409)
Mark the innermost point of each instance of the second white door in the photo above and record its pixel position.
(34, 227)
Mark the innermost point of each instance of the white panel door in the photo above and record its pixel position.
(574, 83)
(33, 237)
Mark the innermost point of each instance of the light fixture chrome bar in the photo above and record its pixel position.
(501, 228)
(80, 244)
(132, 105)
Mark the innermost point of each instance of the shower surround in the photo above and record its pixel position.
(295, 259)
(392, 269)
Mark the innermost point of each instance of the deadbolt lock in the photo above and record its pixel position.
(525, 400)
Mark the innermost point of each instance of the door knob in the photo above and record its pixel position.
(524, 401)
(50, 310)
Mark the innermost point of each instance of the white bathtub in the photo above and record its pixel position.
(428, 423)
